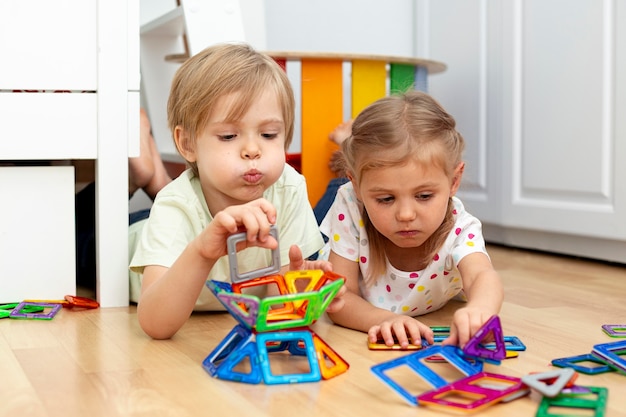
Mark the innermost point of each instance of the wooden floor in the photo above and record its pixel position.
(99, 362)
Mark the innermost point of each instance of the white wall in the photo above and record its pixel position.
(354, 26)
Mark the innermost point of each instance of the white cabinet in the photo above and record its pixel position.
(539, 91)
(69, 89)
(48, 45)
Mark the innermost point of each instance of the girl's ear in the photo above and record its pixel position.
(355, 185)
(456, 178)
(185, 144)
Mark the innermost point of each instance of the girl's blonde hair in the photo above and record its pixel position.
(224, 69)
(391, 132)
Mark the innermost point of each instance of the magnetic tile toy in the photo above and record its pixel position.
(271, 325)
(5, 309)
(235, 275)
(614, 354)
(22, 311)
(614, 330)
(475, 347)
(475, 396)
(511, 343)
(451, 354)
(573, 362)
(549, 384)
(580, 401)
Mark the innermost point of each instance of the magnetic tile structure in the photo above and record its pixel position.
(271, 325)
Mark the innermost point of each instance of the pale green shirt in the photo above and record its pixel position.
(180, 213)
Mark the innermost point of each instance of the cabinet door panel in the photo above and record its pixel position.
(37, 233)
(48, 45)
(565, 172)
(48, 126)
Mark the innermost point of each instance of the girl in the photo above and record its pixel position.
(231, 113)
(398, 234)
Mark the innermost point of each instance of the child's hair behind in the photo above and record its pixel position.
(223, 69)
(391, 132)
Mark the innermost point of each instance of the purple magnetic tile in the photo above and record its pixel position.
(18, 314)
(615, 330)
(475, 347)
(230, 300)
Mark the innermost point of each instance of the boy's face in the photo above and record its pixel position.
(238, 160)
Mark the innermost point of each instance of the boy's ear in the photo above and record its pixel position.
(456, 178)
(185, 144)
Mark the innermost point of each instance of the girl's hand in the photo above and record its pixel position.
(465, 324)
(255, 218)
(400, 329)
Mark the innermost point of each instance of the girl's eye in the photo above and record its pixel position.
(269, 135)
(227, 137)
(384, 200)
(424, 196)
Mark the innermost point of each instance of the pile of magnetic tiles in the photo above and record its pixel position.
(273, 324)
(479, 389)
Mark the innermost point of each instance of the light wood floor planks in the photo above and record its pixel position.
(99, 362)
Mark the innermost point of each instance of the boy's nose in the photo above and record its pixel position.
(251, 150)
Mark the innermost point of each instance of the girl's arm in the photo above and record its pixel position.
(168, 295)
(484, 291)
(359, 314)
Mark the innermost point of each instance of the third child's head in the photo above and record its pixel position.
(231, 112)
(404, 160)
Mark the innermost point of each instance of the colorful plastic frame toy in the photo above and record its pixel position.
(451, 354)
(23, 311)
(580, 401)
(613, 354)
(614, 330)
(478, 396)
(273, 324)
(572, 362)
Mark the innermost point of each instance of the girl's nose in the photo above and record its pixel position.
(405, 212)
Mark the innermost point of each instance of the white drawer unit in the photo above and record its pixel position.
(69, 89)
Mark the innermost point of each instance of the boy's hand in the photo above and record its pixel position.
(298, 263)
(255, 218)
(399, 330)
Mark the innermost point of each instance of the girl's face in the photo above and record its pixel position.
(407, 203)
(238, 160)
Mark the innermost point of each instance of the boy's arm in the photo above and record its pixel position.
(168, 295)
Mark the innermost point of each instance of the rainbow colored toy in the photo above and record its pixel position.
(274, 324)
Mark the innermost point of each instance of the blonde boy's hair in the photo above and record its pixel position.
(223, 69)
(391, 132)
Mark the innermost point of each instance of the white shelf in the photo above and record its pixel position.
(171, 23)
